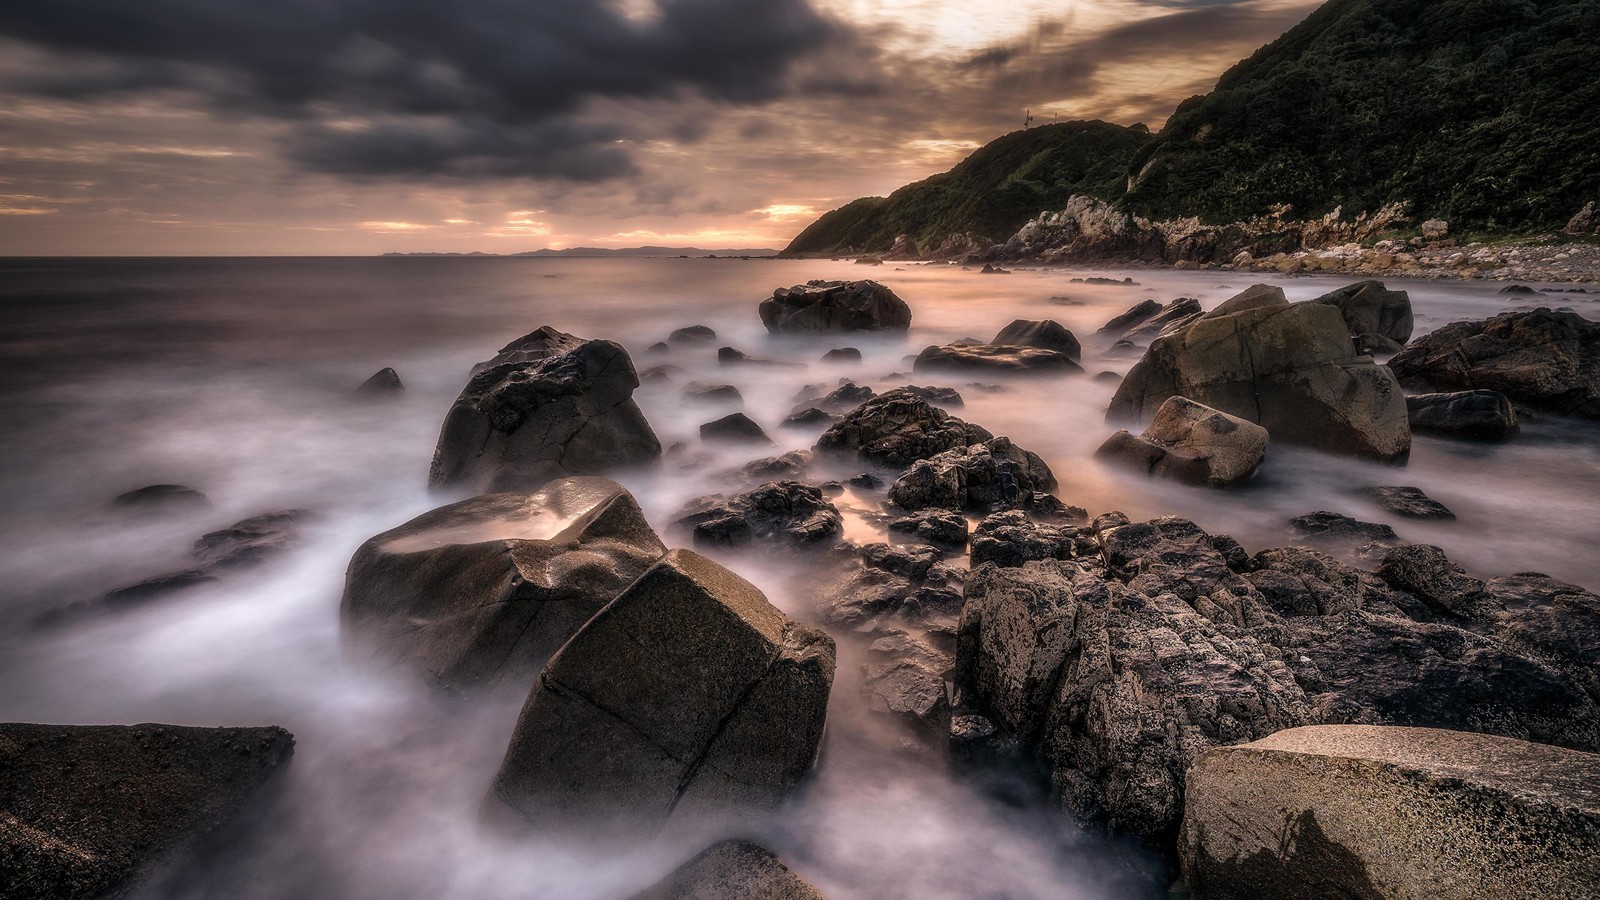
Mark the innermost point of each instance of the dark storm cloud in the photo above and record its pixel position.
(416, 87)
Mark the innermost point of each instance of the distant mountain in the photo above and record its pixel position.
(1485, 113)
(990, 194)
(607, 251)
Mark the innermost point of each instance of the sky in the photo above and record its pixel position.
(237, 127)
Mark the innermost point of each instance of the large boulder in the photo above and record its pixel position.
(1545, 359)
(896, 429)
(1474, 415)
(689, 700)
(994, 358)
(1045, 334)
(1361, 811)
(732, 870)
(1192, 443)
(833, 306)
(1146, 321)
(1369, 308)
(986, 477)
(546, 406)
(786, 513)
(487, 589)
(97, 810)
(1290, 368)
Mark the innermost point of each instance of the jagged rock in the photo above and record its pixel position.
(1410, 502)
(938, 394)
(986, 477)
(1046, 334)
(834, 306)
(1362, 811)
(866, 481)
(693, 334)
(1543, 359)
(1011, 539)
(904, 248)
(731, 356)
(162, 499)
(734, 427)
(1175, 315)
(788, 467)
(810, 416)
(732, 870)
(897, 429)
(713, 393)
(384, 383)
(1435, 230)
(1191, 443)
(935, 526)
(1585, 221)
(99, 810)
(487, 589)
(1136, 315)
(1369, 308)
(906, 680)
(689, 699)
(786, 512)
(847, 396)
(963, 357)
(904, 583)
(1339, 529)
(1290, 368)
(1474, 415)
(842, 355)
(548, 405)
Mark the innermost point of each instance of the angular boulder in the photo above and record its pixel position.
(834, 306)
(896, 429)
(1544, 359)
(383, 383)
(548, 405)
(1369, 308)
(987, 477)
(97, 810)
(1365, 811)
(485, 590)
(732, 870)
(1192, 443)
(1045, 334)
(906, 586)
(1146, 321)
(689, 700)
(1290, 368)
(736, 428)
(1474, 415)
(786, 513)
(1411, 502)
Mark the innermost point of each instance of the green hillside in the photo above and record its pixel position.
(991, 193)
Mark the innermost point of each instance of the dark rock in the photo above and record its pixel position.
(1046, 334)
(693, 334)
(906, 680)
(662, 374)
(383, 383)
(547, 406)
(1107, 377)
(707, 702)
(95, 810)
(1012, 538)
(1424, 572)
(1474, 415)
(1517, 289)
(785, 512)
(842, 355)
(1289, 368)
(1175, 315)
(1363, 811)
(788, 467)
(943, 396)
(897, 429)
(1191, 443)
(895, 585)
(866, 481)
(658, 348)
(810, 416)
(842, 399)
(960, 357)
(991, 269)
(834, 306)
(1410, 502)
(734, 427)
(713, 393)
(729, 356)
(985, 477)
(1369, 308)
(163, 499)
(732, 870)
(1547, 360)
(1336, 528)
(1136, 315)
(487, 589)
(934, 526)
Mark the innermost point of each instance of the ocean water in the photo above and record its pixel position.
(234, 376)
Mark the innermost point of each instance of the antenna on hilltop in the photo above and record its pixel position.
(1027, 118)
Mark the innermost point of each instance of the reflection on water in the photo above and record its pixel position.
(235, 376)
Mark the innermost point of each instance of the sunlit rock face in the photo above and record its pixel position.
(546, 406)
(1290, 368)
(1364, 811)
(834, 306)
(1191, 443)
(690, 700)
(487, 589)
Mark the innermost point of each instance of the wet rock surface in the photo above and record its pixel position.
(1473, 415)
(786, 514)
(995, 358)
(96, 810)
(486, 590)
(1044, 334)
(1546, 359)
(1192, 443)
(986, 477)
(1372, 310)
(690, 699)
(896, 429)
(548, 405)
(834, 306)
(1410, 502)
(1362, 811)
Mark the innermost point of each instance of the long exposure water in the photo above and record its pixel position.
(235, 377)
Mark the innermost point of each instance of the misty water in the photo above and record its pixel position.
(235, 377)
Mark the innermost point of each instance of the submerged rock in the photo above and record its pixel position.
(689, 699)
(732, 870)
(1191, 443)
(383, 383)
(834, 306)
(1046, 334)
(163, 499)
(897, 429)
(1544, 359)
(485, 590)
(1290, 368)
(1475, 415)
(960, 357)
(1410, 502)
(1363, 811)
(787, 513)
(548, 405)
(693, 334)
(95, 810)
(736, 428)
